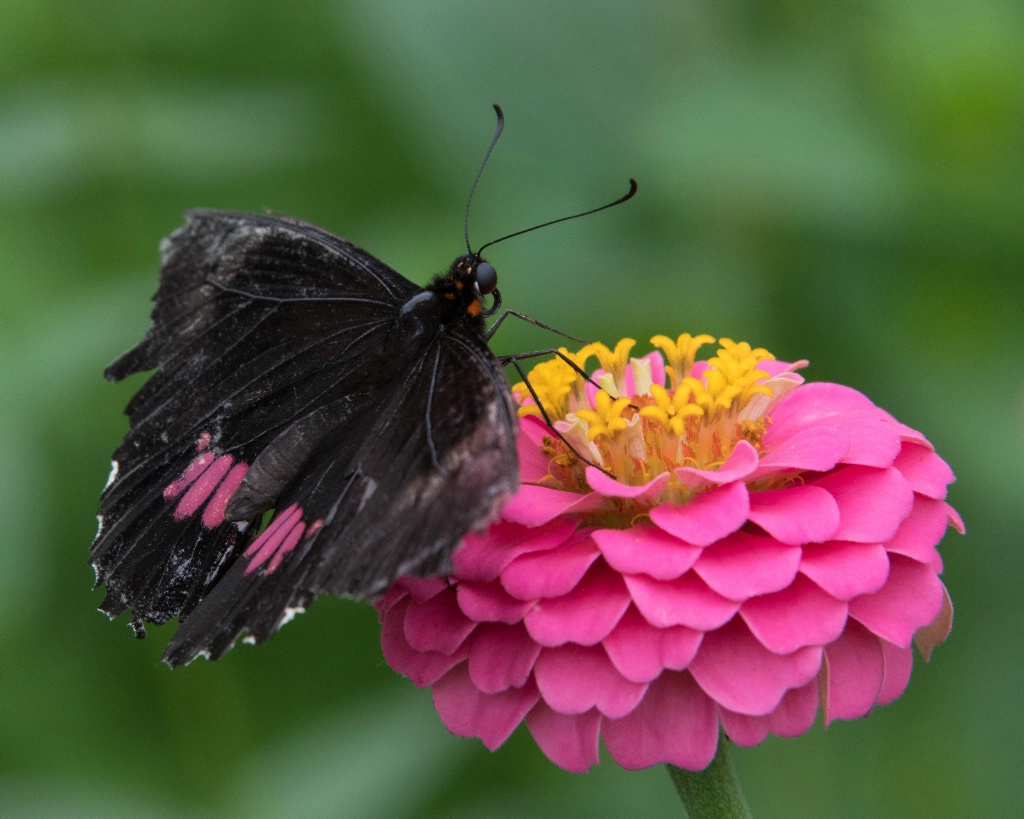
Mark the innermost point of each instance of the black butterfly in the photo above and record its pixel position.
(297, 373)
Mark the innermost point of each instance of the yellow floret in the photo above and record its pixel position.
(680, 354)
(606, 417)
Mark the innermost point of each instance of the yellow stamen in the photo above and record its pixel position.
(671, 411)
(557, 384)
(606, 417)
(680, 354)
(615, 361)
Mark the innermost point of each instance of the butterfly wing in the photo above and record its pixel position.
(287, 380)
(259, 323)
(436, 460)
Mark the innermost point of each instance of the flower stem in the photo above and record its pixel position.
(713, 793)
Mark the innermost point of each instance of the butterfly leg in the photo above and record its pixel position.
(505, 313)
(514, 361)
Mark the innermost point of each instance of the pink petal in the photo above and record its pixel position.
(845, 569)
(925, 471)
(873, 436)
(796, 712)
(423, 668)
(534, 430)
(708, 517)
(657, 372)
(675, 723)
(736, 671)
(935, 633)
(646, 549)
(817, 449)
(912, 435)
(852, 673)
(921, 532)
(537, 505)
(656, 368)
(955, 520)
(874, 441)
(550, 573)
(570, 741)
(501, 657)
(437, 624)
(390, 598)
(489, 602)
(776, 367)
(585, 615)
(534, 464)
(819, 403)
(910, 599)
(898, 664)
(744, 565)
(641, 652)
(796, 514)
(800, 615)
(421, 589)
(743, 729)
(484, 556)
(573, 679)
(611, 488)
(685, 601)
(740, 464)
(872, 502)
(467, 712)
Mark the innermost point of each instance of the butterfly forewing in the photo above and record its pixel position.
(290, 376)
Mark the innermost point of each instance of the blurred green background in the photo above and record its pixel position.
(841, 182)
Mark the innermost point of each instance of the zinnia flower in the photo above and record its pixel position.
(742, 550)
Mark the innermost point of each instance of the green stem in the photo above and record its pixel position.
(713, 793)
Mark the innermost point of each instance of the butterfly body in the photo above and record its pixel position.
(299, 374)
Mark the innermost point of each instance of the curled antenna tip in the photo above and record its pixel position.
(494, 141)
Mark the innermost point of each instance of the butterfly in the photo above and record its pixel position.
(298, 377)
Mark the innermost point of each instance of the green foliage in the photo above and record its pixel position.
(843, 184)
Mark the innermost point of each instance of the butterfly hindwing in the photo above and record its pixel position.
(364, 514)
(291, 375)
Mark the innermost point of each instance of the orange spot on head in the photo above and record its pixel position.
(475, 308)
(450, 296)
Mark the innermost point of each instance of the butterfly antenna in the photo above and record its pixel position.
(479, 173)
(619, 201)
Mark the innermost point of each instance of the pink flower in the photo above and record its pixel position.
(752, 549)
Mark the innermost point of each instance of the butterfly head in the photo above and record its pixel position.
(463, 288)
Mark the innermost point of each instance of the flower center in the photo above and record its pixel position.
(638, 417)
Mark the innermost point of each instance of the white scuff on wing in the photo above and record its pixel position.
(290, 614)
(114, 468)
(368, 491)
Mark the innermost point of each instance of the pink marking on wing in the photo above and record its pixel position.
(213, 515)
(203, 442)
(201, 489)
(276, 535)
(294, 536)
(314, 527)
(192, 471)
(280, 520)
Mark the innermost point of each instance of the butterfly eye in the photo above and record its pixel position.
(486, 277)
